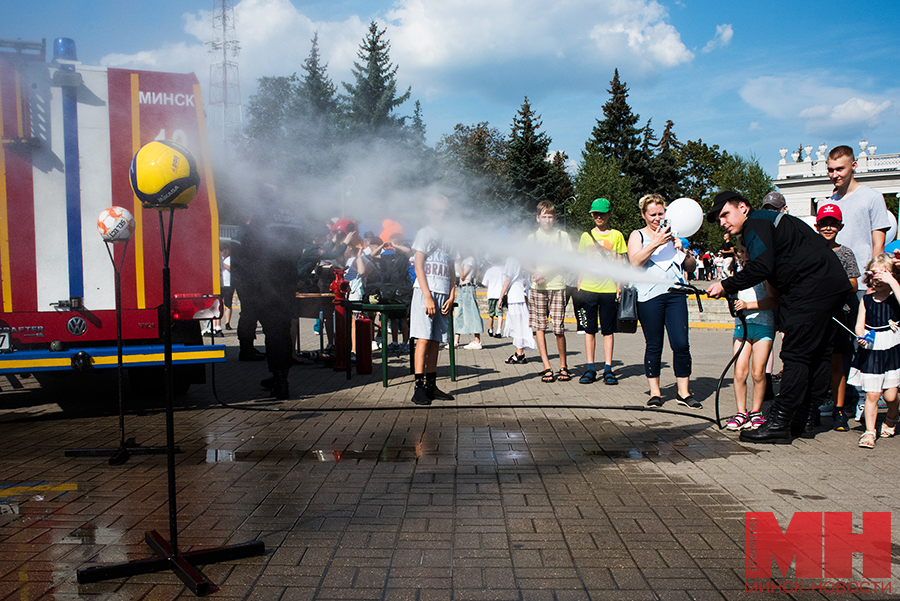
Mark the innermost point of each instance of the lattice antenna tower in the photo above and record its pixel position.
(225, 110)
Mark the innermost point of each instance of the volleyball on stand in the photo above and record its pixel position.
(115, 224)
(164, 175)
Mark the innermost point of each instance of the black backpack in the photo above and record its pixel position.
(389, 282)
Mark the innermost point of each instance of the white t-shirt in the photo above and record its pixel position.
(467, 264)
(863, 211)
(226, 273)
(438, 257)
(493, 279)
(513, 270)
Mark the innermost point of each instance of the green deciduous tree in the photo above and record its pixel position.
(269, 119)
(601, 177)
(744, 176)
(473, 160)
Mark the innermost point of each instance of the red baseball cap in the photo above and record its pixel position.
(341, 225)
(829, 211)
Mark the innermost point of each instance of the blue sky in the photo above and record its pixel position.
(751, 77)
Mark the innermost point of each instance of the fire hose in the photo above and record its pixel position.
(689, 289)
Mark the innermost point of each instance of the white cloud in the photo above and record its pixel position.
(443, 45)
(859, 110)
(723, 36)
(754, 126)
(822, 107)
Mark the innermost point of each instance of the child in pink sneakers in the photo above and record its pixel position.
(757, 304)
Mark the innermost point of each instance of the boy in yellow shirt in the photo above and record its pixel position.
(598, 296)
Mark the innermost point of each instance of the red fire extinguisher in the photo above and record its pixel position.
(340, 288)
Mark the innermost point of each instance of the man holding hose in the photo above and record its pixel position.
(813, 287)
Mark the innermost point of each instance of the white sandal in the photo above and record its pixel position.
(886, 430)
(867, 440)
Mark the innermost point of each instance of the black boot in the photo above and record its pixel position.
(432, 391)
(280, 390)
(804, 422)
(776, 430)
(770, 389)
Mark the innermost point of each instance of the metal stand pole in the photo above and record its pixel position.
(129, 447)
(168, 556)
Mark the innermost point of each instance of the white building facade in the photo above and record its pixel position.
(804, 183)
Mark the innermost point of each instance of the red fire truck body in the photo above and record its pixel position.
(69, 133)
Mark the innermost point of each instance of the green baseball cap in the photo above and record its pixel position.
(601, 205)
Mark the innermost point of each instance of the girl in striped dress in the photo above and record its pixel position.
(878, 359)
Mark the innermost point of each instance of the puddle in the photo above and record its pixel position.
(383, 455)
(91, 535)
(624, 453)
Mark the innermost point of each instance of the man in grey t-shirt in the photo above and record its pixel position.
(866, 219)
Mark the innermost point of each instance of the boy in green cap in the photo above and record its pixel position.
(597, 295)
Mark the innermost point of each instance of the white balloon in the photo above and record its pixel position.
(892, 231)
(685, 217)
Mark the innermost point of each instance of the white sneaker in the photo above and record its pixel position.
(376, 345)
(473, 346)
(860, 408)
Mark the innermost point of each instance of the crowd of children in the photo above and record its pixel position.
(525, 300)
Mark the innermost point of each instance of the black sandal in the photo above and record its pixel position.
(516, 359)
(564, 375)
(609, 378)
(547, 376)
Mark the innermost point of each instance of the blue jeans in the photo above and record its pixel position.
(667, 311)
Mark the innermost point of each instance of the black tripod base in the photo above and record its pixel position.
(182, 564)
(121, 454)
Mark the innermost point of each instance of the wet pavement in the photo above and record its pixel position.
(516, 490)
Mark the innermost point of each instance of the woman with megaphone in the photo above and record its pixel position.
(658, 249)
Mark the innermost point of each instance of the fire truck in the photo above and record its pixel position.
(69, 133)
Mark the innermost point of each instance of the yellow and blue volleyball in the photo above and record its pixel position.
(164, 175)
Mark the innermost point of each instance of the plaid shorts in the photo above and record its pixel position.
(542, 303)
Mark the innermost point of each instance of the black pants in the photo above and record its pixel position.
(251, 306)
(276, 322)
(806, 352)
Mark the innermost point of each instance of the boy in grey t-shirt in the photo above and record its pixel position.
(433, 295)
(865, 216)
(829, 224)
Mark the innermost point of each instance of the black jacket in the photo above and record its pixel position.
(793, 257)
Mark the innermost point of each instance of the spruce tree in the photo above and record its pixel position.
(663, 171)
(371, 100)
(616, 135)
(529, 173)
(317, 91)
(563, 190)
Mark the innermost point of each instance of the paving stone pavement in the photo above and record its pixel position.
(516, 490)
